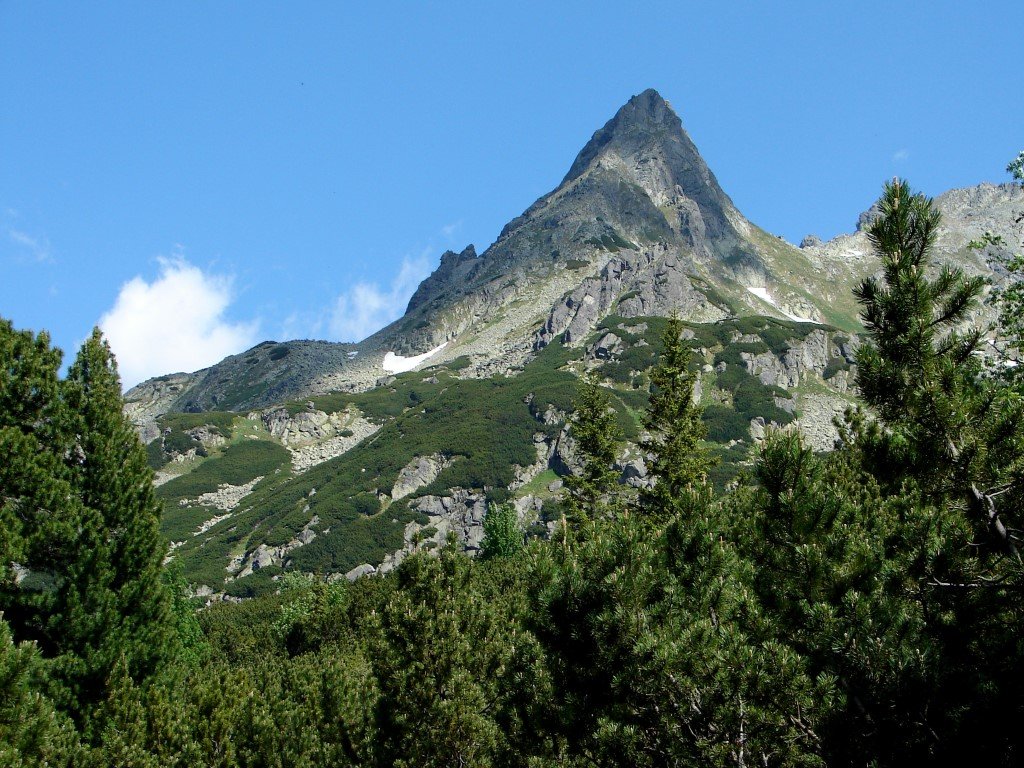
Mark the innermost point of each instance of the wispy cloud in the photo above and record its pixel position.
(448, 230)
(900, 155)
(37, 247)
(174, 323)
(367, 307)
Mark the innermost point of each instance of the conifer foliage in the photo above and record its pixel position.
(673, 422)
(591, 490)
(951, 429)
(503, 536)
(82, 565)
(858, 608)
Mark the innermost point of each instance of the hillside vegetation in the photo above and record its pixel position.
(486, 428)
(856, 607)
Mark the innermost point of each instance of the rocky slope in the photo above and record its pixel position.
(638, 226)
(312, 455)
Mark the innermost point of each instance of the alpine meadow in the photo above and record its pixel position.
(640, 484)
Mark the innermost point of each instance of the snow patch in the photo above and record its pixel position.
(762, 293)
(397, 364)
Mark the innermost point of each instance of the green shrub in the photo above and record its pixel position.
(257, 583)
(725, 424)
(835, 365)
(155, 456)
(239, 464)
(279, 352)
(179, 442)
(179, 523)
(218, 422)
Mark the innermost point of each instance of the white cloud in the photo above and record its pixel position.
(365, 307)
(176, 323)
(900, 155)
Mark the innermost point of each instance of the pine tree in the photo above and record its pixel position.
(503, 536)
(946, 426)
(117, 606)
(674, 425)
(38, 510)
(590, 491)
(458, 676)
(81, 571)
(950, 440)
(31, 733)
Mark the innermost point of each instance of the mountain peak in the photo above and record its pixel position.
(644, 119)
(646, 109)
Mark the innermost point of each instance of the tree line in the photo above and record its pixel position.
(860, 607)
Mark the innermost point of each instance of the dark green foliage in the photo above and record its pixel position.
(31, 733)
(177, 443)
(674, 426)
(751, 398)
(577, 264)
(953, 430)
(732, 354)
(590, 492)
(775, 333)
(175, 438)
(638, 630)
(80, 514)
(348, 545)
(119, 587)
(155, 456)
(728, 466)
(241, 633)
(834, 366)
(218, 422)
(503, 536)
(240, 463)
(460, 681)
(313, 615)
(257, 583)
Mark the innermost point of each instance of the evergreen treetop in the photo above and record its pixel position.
(674, 425)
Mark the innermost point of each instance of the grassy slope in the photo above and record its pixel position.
(485, 425)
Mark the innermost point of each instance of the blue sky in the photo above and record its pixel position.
(198, 177)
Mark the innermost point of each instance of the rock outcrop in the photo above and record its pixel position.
(419, 472)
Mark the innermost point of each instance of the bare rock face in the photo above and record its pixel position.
(816, 422)
(359, 571)
(313, 436)
(152, 398)
(226, 497)
(419, 472)
(634, 474)
(811, 355)
(757, 429)
(651, 281)
(461, 514)
(208, 438)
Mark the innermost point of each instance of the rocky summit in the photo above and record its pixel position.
(342, 457)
